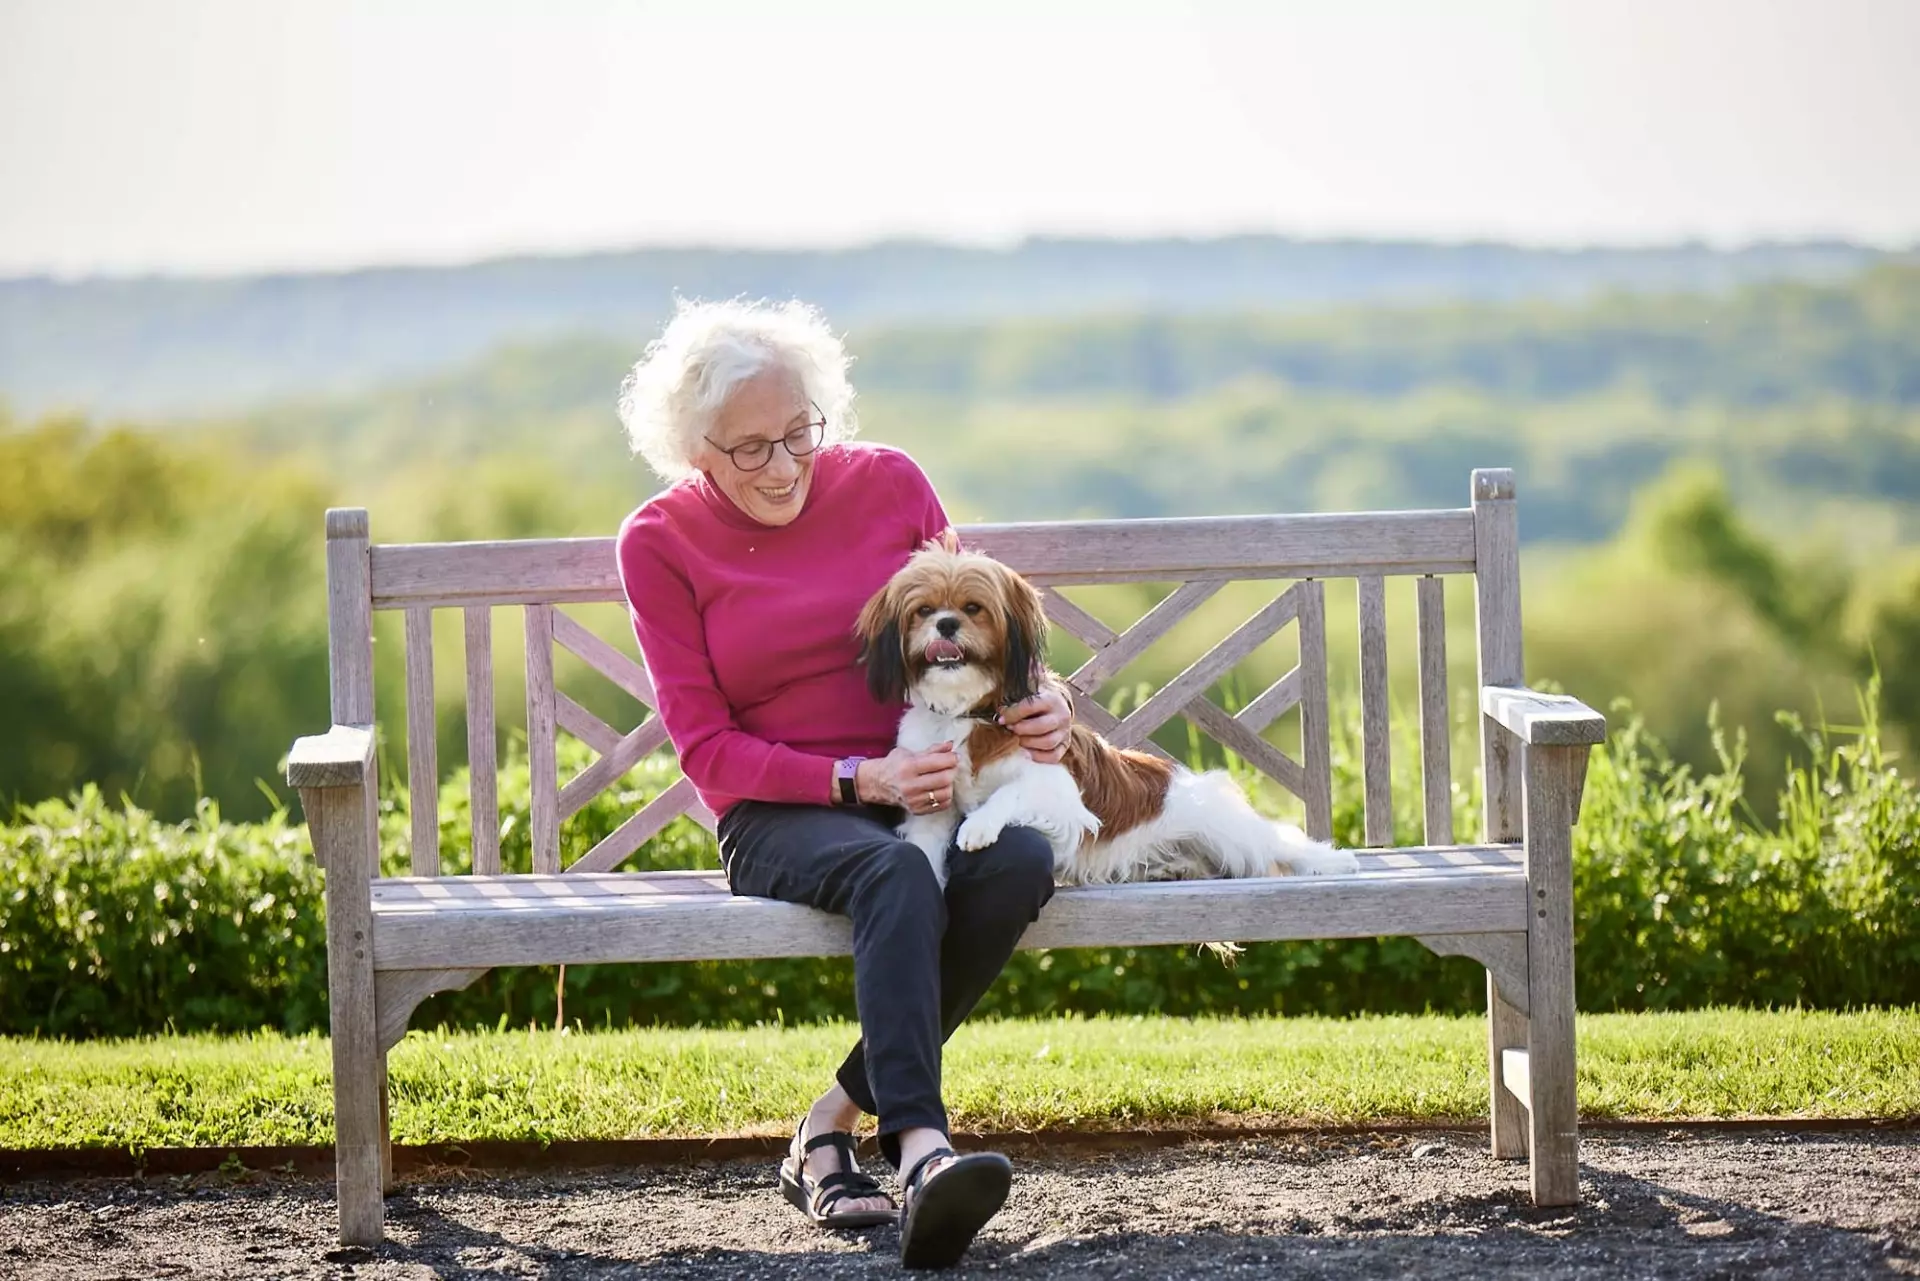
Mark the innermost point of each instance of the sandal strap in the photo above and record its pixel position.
(839, 1139)
(844, 1182)
(847, 1183)
(843, 1185)
(911, 1182)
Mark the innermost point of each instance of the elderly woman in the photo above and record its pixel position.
(744, 579)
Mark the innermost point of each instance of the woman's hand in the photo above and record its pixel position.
(1041, 724)
(918, 782)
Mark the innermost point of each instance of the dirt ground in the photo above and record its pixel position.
(1771, 1205)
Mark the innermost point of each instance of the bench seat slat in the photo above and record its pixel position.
(395, 895)
(493, 897)
(580, 919)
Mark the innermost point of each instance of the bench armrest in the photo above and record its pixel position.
(341, 757)
(1549, 720)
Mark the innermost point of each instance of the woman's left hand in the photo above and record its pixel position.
(1041, 724)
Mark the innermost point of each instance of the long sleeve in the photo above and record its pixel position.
(715, 753)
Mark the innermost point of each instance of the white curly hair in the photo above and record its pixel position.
(679, 384)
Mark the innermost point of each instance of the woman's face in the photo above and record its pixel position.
(765, 408)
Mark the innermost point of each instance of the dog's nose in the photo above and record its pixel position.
(949, 627)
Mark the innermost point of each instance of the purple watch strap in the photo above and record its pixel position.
(843, 779)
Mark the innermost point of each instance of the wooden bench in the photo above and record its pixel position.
(1506, 901)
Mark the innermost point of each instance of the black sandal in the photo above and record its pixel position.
(816, 1198)
(945, 1210)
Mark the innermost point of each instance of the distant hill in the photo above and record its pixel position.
(1806, 396)
(154, 346)
(1760, 346)
(1765, 344)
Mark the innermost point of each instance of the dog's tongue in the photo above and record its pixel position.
(942, 650)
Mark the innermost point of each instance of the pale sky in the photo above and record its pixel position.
(237, 135)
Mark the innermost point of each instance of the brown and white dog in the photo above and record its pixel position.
(957, 635)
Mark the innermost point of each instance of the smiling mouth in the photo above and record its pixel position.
(780, 495)
(942, 652)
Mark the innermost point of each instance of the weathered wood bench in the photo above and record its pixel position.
(1506, 901)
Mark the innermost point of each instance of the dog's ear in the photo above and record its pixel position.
(1026, 637)
(881, 651)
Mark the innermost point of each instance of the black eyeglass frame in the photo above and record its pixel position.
(815, 428)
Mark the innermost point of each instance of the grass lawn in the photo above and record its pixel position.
(1104, 1073)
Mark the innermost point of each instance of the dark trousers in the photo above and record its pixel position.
(921, 959)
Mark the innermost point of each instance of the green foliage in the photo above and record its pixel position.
(1754, 456)
(1693, 605)
(1700, 904)
(163, 626)
(161, 623)
(1690, 521)
(1767, 344)
(1803, 394)
(113, 923)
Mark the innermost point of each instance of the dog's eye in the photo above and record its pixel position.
(973, 607)
(925, 611)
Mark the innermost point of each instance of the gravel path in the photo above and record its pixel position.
(1772, 1205)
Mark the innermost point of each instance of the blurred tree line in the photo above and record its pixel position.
(1807, 397)
(162, 605)
(1720, 498)
(163, 626)
(1774, 343)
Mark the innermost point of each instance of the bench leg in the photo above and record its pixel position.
(360, 1148)
(1553, 1137)
(1506, 1029)
(342, 823)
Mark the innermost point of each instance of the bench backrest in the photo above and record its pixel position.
(1199, 554)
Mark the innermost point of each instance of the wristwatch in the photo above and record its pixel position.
(844, 770)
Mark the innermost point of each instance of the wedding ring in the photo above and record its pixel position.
(931, 802)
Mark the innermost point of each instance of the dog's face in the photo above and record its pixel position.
(953, 628)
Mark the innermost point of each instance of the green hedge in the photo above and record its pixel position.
(113, 924)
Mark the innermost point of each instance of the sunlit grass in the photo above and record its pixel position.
(1016, 1075)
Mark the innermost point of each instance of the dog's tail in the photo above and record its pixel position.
(1211, 811)
(1301, 855)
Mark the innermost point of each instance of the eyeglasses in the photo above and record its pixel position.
(799, 442)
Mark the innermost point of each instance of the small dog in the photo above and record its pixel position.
(959, 636)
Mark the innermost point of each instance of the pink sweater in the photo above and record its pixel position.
(747, 629)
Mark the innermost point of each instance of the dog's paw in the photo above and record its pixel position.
(979, 831)
(1327, 863)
